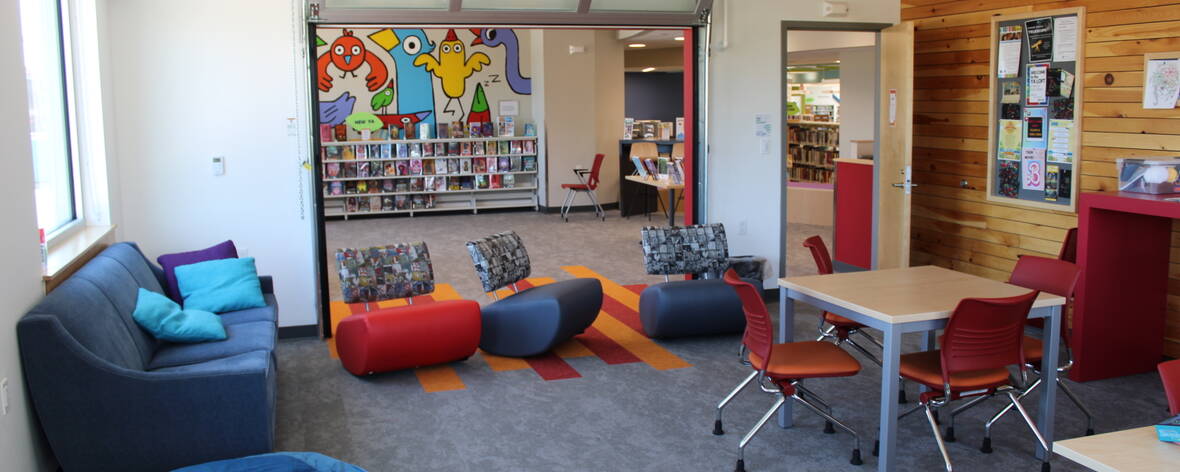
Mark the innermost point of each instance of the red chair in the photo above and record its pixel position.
(1170, 375)
(982, 338)
(781, 368)
(1069, 247)
(586, 185)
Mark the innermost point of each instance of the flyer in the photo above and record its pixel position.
(1033, 169)
(1010, 139)
(1052, 182)
(1011, 92)
(1008, 64)
(1161, 83)
(1065, 39)
(1061, 138)
(1009, 179)
(1034, 127)
(1040, 39)
(1035, 88)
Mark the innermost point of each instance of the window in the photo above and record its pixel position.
(46, 49)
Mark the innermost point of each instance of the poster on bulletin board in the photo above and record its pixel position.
(1034, 108)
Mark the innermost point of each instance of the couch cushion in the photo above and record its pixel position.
(243, 337)
(169, 263)
(90, 317)
(220, 285)
(122, 288)
(131, 258)
(245, 362)
(166, 321)
(268, 313)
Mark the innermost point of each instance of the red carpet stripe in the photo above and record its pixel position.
(551, 367)
(606, 348)
(622, 313)
(638, 288)
(357, 308)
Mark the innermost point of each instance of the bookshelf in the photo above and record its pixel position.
(409, 176)
(812, 147)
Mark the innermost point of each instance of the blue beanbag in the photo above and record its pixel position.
(276, 462)
(163, 318)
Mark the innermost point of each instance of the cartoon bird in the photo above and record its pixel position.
(453, 67)
(405, 120)
(480, 111)
(382, 99)
(492, 37)
(348, 53)
(415, 86)
(334, 112)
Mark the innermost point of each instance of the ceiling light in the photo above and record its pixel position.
(679, 38)
(648, 69)
(636, 45)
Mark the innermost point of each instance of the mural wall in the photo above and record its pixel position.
(409, 76)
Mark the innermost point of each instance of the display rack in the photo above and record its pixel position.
(405, 176)
(812, 147)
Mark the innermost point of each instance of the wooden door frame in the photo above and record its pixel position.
(784, 91)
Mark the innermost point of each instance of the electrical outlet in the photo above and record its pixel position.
(4, 396)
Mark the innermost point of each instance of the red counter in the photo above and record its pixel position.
(1124, 244)
(854, 212)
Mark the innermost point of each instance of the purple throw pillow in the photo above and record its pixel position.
(169, 262)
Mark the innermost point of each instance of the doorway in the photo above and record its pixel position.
(844, 112)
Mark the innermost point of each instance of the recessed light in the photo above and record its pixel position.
(679, 38)
(636, 45)
(648, 69)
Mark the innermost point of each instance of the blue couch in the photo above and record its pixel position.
(112, 397)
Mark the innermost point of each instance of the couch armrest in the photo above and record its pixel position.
(268, 283)
(100, 416)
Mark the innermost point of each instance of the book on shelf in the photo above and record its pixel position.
(350, 204)
(481, 181)
(361, 186)
(428, 167)
(417, 202)
(665, 131)
(331, 153)
(440, 166)
(479, 165)
(362, 151)
(680, 128)
(465, 148)
(428, 183)
(440, 184)
(514, 147)
(505, 164)
(362, 203)
(375, 203)
(488, 129)
(465, 165)
(496, 181)
(453, 166)
(514, 164)
(503, 147)
(416, 184)
(649, 129)
(387, 186)
(444, 131)
(340, 133)
(390, 168)
(387, 203)
(401, 185)
(376, 170)
(453, 183)
(403, 150)
(676, 171)
(332, 170)
(477, 148)
(348, 170)
(530, 129)
(530, 147)
(362, 169)
(509, 181)
(347, 153)
(652, 167)
(452, 149)
(424, 131)
(639, 167)
(467, 183)
(415, 166)
(382, 134)
(475, 129)
(528, 163)
(427, 149)
(492, 165)
(336, 188)
(386, 151)
(409, 129)
(416, 150)
(326, 135)
(401, 202)
(458, 130)
(628, 127)
(662, 166)
(507, 126)
(366, 134)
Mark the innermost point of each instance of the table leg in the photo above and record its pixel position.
(671, 207)
(886, 455)
(930, 345)
(786, 333)
(1046, 413)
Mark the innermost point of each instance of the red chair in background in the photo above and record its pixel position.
(586, 185)
(982, 338)
(1170, 375)
(781, 368)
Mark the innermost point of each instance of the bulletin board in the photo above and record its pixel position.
(1035, 108)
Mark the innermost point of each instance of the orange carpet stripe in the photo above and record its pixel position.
(439, 378)
(337, 311)
(640, 345)
(503, 364)
(571, 349)
(443, 292)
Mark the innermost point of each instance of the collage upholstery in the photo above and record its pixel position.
(695, 249)
(384, 272)
(500, 260)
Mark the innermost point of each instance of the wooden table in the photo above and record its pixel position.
(1128, 450)
(662, 185)
(915, 299)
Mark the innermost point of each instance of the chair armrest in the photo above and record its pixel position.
(268, 283)
(101, 416)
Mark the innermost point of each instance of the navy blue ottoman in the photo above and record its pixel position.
(533, 321)
(691, 308)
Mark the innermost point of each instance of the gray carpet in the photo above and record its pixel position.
(620, 417)
(632, 417)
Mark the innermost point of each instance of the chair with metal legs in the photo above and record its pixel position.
(586, 185)
(1056, 276)
(982, 338)
(1170, 377)
(780, 369)
(839, 328)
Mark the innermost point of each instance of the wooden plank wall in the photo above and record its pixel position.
(953, 224)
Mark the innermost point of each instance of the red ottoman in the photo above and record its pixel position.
(408, 336)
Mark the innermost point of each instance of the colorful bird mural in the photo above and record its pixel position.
(415, 87)
(381, 100)
(452, 67)
(348, 54)
(404, 120)
(493, 37)
(335, 111)
(480, 111)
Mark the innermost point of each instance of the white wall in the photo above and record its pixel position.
(21, 444)
(745, 79)
(582, 96)
(858, 97)
(193, 80)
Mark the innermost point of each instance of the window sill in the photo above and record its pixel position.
(69, 254)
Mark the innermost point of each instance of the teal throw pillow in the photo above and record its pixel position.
(220, 285)
(162, 317)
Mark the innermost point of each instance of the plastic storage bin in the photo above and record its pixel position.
(1149, 176)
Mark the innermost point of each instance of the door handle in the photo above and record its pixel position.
(908, 183)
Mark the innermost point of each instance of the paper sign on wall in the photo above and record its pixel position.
(1033, 169)
(1010, 138)
(1035, 87)
(1065, 39)
(1161, 86)
(509, 107)
(1040, 39)
(1034, 127)
(1008, 64)
(1061, 137)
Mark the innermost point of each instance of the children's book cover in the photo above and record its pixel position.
(493, 165)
